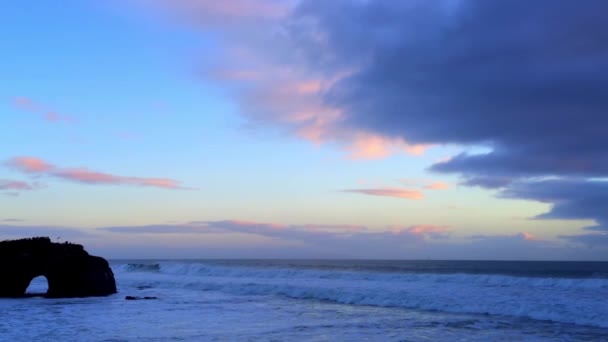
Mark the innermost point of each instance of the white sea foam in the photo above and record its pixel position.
(565, 300)
(321, 301)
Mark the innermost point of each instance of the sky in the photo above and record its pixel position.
(373, 129)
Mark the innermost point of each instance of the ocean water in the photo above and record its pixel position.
(315, 300)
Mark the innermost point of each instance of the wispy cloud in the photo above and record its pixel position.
(390, 192)
(437, 186)
(47, 114)
(17, 185)
(37, 166)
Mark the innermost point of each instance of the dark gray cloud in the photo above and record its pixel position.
(529, 79)
(589, 240)
(572, 199)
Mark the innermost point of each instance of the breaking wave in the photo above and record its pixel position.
(565, 300)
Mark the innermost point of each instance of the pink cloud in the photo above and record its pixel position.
(427, 229)
(437, 186)
(30, 164)
(166, 183)
(391, 192)
(528, 236)
(374, 146)
(86, 176)
(27, 104)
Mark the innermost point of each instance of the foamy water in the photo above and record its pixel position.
(326, 301)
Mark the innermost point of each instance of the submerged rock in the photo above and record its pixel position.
(138, 298)
(68, 268)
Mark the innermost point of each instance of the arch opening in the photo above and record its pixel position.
(39, 286)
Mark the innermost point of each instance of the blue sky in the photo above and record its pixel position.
(261, 128)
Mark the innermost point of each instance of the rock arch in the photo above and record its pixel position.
(70, 271)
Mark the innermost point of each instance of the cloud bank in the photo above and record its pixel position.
(449, 72)
(348, 241)
(528, 80)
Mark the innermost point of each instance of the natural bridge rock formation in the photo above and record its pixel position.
(68, 268)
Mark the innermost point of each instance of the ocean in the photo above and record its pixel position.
(325, 300)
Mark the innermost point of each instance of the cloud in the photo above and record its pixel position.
(17, 185)
(27, 104)
(449, 72)
(489, 182)
(374, 75)
(437, 186)
(265, 62)
(348, 241)
(428, 230)
(528, 236)
(304, 232)
(425, 73)
(340, 239)
(30, 165)
(571, 199)
(390, 192)
(373, 146)
(589, 240)
(37, 166)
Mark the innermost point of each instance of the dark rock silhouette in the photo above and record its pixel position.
(68, 268)
(138, 298)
